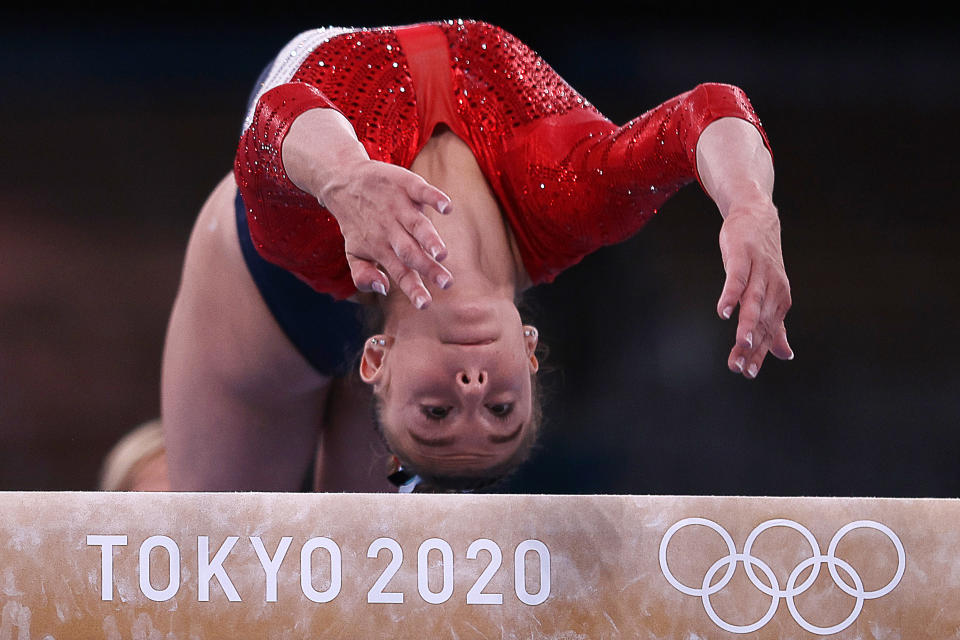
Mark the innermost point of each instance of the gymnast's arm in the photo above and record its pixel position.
(736, 170)
(312, 156)
(241, 408)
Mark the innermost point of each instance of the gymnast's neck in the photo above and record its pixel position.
(482, 253)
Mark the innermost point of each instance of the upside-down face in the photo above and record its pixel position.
(455, 385)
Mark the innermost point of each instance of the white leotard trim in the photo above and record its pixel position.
(289, 60)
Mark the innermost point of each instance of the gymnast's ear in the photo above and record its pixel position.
(530, 337)
(371, 363)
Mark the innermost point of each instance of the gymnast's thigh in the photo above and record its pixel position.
(241, 406)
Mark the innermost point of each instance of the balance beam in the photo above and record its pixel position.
(285, 566)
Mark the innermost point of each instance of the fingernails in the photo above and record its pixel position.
(379, 288)
(727, 312)
(749, 339)
(790, 357)
(752, 371)
(739, 364)
(443, 280)
(420, 302)
(442, 206)
(438, 253)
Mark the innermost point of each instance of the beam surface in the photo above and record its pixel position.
(256, 565)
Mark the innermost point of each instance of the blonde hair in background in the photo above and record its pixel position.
(138, 446)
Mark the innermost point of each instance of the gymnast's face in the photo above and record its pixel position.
(455, 386)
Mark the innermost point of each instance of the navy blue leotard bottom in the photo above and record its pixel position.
(327, 332)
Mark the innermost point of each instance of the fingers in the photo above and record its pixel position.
(404, 262)
(422, 230)
(412, 256)
(756, 282)
(409, 281)
(737, 361)
(748, 361)
(781, 348)
(760, 327)
(387, 237)
(738, 274)
(366, 276)
(418, 245)
(423, 193)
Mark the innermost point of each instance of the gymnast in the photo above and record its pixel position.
(412, 182)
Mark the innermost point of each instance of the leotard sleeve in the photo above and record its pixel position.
(288, 226)
(585, 183)
(626, 173)
(569, 180)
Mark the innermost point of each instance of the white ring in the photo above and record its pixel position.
(837, 628)
(780, 522)
(884, 529)
(774, 600)
(663, 555)
(791, 589)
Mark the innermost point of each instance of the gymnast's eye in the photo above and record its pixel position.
(501, 410)
(435, 412)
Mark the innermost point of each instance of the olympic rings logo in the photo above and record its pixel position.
(792, 589)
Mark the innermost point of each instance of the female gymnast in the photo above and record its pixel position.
(431, 173)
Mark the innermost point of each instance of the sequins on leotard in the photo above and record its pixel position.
(568, 180)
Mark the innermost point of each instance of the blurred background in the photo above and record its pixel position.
(115, 126)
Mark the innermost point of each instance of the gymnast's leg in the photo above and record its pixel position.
(352, 455)
(241, 408)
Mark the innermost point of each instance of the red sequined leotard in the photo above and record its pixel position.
(569, 181)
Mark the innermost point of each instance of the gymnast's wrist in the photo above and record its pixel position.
(319, 151)
(333, 180)
(747, 199)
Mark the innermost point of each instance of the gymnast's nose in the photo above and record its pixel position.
(472, 381)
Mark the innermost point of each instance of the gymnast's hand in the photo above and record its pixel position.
(736, 170)
(379, 206)
(380, 209)
(757, 281)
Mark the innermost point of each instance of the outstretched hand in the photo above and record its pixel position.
(380, 210)
(757, 282)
